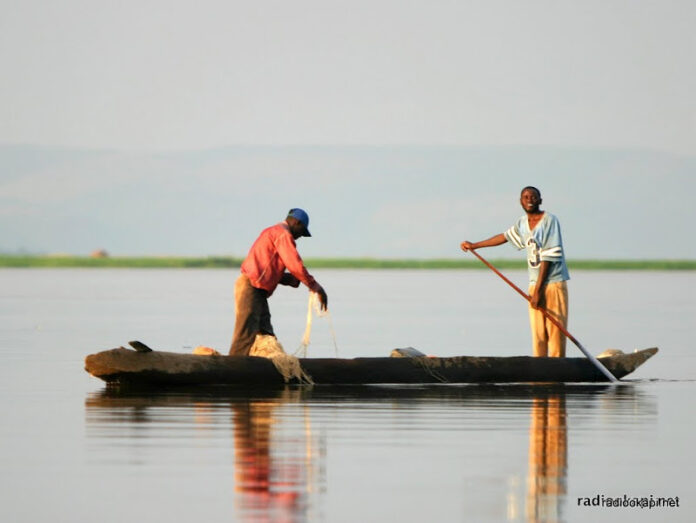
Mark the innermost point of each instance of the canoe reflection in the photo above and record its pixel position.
(279, 457)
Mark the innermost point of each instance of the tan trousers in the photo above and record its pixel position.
(252, 316)
(547, 339)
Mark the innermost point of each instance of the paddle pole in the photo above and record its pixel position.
(553, 320)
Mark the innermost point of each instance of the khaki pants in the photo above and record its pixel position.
(547, 339)
(252, 316)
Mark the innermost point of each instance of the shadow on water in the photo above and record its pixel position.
(282, 475)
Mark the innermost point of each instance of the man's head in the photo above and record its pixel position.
(530, 199)
(298, 221)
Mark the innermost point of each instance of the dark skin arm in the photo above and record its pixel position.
(498, 239)
(530, 199)
(323, 298)
(536, 300)
(537, 297)
(297, 229)
(290, 280)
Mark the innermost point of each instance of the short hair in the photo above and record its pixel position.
(531, 188)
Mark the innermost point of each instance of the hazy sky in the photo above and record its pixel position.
(164, 74)
(593, 101)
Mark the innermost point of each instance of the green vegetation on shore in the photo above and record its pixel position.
(328, 263)
(147, 262)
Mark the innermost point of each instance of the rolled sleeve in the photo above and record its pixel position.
(551, 249)
(513, 236)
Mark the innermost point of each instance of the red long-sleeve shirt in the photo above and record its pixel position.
(273, 252)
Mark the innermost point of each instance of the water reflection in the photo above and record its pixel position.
(277, 457)
(546, 484)
(273, 477)
(548, 461)
(276, 440)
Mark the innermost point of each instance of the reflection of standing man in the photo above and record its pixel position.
(548, 458)
(278, 476)
(261, 485)
(539, 232)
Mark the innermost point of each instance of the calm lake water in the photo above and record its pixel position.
(72, 451)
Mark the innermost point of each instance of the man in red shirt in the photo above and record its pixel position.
(264, 268)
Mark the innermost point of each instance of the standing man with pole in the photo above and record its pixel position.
(539, 232)
(263, 269)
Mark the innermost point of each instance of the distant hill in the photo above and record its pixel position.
(363, 201)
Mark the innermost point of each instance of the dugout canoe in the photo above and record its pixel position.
(160, 368)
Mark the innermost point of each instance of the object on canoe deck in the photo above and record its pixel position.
(407, 352)
(202, 350)
(139, 346)
(158, 368)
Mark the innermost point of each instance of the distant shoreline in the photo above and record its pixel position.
(223, 262)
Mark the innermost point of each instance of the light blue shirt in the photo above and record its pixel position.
(543, 243)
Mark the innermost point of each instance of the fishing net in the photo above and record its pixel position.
(314, 307)
(267, 346)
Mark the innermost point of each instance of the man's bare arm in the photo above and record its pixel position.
(493, 241)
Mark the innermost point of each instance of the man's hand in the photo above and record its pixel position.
(289, 279)
(467, 246)
(537, 297)
(323, 298)
(536, 300)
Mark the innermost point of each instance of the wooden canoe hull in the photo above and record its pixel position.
(158, 368)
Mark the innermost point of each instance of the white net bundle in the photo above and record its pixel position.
(267, 346)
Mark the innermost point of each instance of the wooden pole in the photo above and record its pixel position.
(553, 320)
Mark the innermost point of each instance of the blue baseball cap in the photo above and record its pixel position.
(302, 217)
